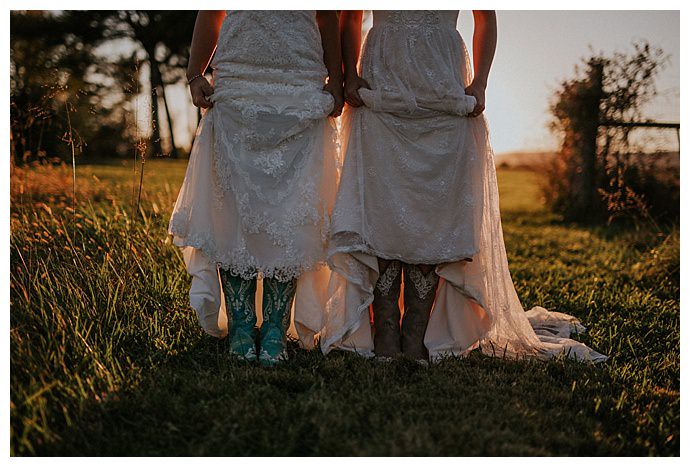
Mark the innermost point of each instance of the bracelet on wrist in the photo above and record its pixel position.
(189, 81)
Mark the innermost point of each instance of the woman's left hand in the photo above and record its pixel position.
(335, 88)
(478, 91)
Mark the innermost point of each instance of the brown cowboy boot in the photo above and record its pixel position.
(387, 311)
(420, 292)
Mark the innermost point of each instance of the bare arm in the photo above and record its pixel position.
(483, 50)
(483, 44)
(351, 33)
(351, 37)
(330, 38)
(204, 40)
(328, 27)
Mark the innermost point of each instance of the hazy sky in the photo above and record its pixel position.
(537, 49)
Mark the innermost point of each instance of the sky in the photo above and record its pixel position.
(536, 50)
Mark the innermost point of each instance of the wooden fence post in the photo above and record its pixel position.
(586, 181)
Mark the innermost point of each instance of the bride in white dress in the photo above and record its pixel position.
(261, 179)
(418, 203)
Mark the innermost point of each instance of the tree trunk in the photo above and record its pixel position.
(154, 81)
(587, 178)
(155, 120)
(173, 147)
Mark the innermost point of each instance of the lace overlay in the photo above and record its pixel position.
(421, 201)
(261, 180)
(419, 185)
(386, 280)
(423, 284)
(266, 132)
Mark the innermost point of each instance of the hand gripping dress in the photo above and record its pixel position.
(261, 178)
(419, 186)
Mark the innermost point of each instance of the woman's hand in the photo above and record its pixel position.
(335, 88)
(483, 50)
(352, 87)
(204, 40)
(201, 90)
(478, 91)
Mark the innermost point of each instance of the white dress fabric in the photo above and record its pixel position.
(419, 185)
(261, 179)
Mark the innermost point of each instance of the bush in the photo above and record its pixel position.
(600, 173)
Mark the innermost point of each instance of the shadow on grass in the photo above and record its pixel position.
(201, 402)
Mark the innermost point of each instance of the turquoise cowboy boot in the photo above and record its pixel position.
(277, 302)
(239, 303)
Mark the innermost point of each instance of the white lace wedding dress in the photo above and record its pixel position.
(419, 185)
(261, 178)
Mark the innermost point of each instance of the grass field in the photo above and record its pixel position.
(107, 357)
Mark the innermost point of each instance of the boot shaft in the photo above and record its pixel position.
(240, 306)
(419, 296)
(277, 303)
(240, 296)
(386, 310)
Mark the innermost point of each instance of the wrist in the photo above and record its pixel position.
(351, 77)
(335, 78)
(194, 78)
(191, 74)
(350, 72)
(479, 81)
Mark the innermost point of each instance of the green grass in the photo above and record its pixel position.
(107, 357)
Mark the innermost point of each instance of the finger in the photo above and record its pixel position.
(364, 83)
(357, 98)
(353, 99)
(477, 112)
(336, 103)
(205, 103)
(335, 107)
(338, 108)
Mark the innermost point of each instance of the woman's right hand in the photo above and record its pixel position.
(352, 87)
(201, 90)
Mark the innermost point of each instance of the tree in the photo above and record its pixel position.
(594, 172)
(53, 96)
(164, 37)
(56, 68)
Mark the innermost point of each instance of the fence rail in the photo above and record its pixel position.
(640, 124)
(669, 125)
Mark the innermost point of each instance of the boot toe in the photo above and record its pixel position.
(242, 345)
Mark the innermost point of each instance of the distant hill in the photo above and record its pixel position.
(535, 159)
(523, 159)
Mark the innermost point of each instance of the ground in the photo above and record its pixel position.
(107, 356)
